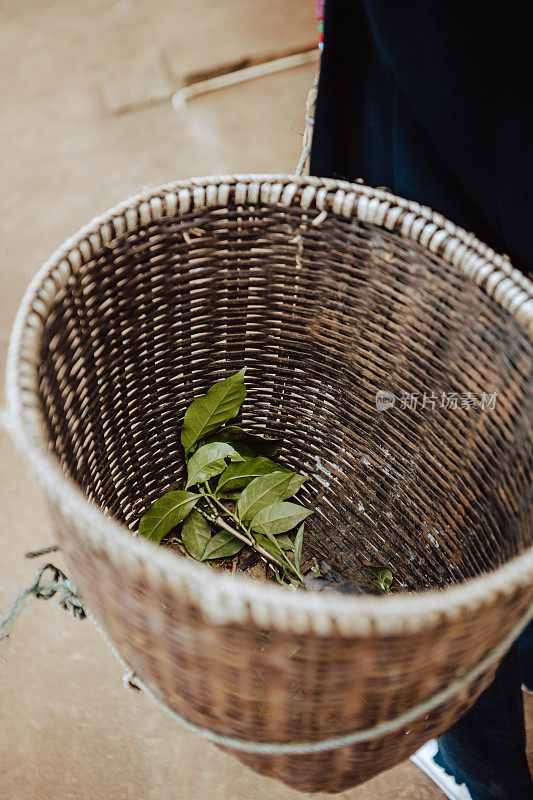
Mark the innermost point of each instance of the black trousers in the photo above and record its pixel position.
(432, 100)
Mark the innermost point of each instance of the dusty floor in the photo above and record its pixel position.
(69, 729)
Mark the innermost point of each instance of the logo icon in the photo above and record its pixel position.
(384, 400)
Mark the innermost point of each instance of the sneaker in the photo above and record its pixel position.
(424, 760)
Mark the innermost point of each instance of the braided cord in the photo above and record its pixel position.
(42, 589)
(69, 600)
(307, 140)
(334, 742)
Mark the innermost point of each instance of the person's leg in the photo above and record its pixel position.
(410, 99)
(486, 748)
(525, 657)
(431, 100)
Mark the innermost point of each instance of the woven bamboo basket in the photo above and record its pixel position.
(328, 292)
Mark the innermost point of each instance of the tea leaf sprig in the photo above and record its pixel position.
(383, 578)
(234, 494)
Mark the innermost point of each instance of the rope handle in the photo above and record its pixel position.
(69, 600)
(302, 166)
(45, 589)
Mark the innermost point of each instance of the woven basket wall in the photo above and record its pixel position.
(152, 302)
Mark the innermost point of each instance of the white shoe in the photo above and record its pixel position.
(423, 759)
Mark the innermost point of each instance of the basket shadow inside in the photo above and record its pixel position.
(434, 481)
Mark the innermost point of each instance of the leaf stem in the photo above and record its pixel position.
(250, 542)
(283, 561)
(293, 567)
(223, 524)
(217, 520)
(287, 560)
(210, 497)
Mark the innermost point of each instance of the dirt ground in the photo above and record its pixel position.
(85, 122)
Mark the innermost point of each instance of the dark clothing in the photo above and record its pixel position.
(525, 657)
(486, 748)
(432, 100)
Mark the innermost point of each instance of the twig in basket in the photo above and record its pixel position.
(221, 523)
(232, 485)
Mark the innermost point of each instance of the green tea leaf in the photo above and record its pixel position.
(278, 518)
(285, 541)
(262, 492)
(297, 480)
(270, 545)
(247, 444)
(239, 475)
(195, 534)
(208, 461)
(298, 544)
(279, 577)
(166, 513)
(208, 412)
(295, 483)
(387, 579)
(383, 578)
(222, 545)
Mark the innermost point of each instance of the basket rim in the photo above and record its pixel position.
(226, 598)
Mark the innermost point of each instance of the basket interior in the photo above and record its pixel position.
(323, 321)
